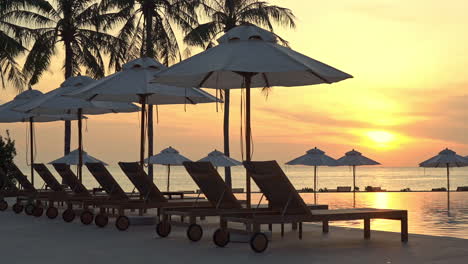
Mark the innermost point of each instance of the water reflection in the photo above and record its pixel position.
(427, 211)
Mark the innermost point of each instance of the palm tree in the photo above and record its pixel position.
(12, 37)
(149, 31)
(69, 24)
(225, 15)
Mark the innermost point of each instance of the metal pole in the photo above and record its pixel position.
(448, 187)
(31, 135)
(248, 136)
(142, 132)
(315, 184)
(354, 185)
(168, 176)
(80, 145)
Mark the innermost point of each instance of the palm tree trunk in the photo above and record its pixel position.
(68, 74)
(227, 170)
(148, 7)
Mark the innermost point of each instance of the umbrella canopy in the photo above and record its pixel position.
(248, 56)
(355, 158)
(9, 115)
(54, 102)
(168, 156)
(314, 157)
(72, 158)
(132, 84)
(218, 159)
(445, 158)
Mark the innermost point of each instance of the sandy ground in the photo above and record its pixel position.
(25, 239)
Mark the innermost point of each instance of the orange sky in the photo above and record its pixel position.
(406, 102)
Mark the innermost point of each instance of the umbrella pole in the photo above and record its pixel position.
(248, 137)
(448, 187)
(354, 185)
(168, 176)
(31, 134)
(142, 132)
(315, 184)
(80, 145)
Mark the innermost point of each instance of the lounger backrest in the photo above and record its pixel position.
(5, 183)
(105, 179)
(148, 190)
(70, 179)
(276, 186)
(21, 178)
(212, 185)
(48, 178)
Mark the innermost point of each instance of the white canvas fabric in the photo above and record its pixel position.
(168, 156)
(134, 80)
(9, 115)
(314, 157)
(249, 49)
(355, 158)
(54, 102)
(445, 158)
(72, 158)
(218, 159)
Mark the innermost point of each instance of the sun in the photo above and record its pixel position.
(381, 139)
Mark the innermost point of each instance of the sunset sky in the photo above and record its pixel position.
(407, 100)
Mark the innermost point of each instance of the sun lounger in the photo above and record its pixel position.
(81, 195)
(8, 191)
(149, 195)
(221, 197)
(272, 181)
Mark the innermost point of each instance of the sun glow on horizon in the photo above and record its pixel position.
(381, 139)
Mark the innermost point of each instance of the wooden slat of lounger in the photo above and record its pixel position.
(21, 178)
(105, 179)
(142, 182)
(71, 180)
(48, 178)
(276, 186)
(212, 185)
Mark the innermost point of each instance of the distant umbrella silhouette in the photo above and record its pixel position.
(314, 157)
(355, 158)
(447, 158)
(168, 157)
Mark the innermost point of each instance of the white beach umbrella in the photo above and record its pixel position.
(218, 159)
(73, 158)
(445, 159)
(9, 115)
(54, 102)
(314, 157)
(132, 84)
(248, 56)
(355, 158)
(169, 157)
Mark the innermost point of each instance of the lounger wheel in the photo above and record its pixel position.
(101, 220)
(68, 215)
(122, 223)
(87, 217)
(29, 209)
(18, 208)
(221, 237)
(52, 212)
(3, 205)
(259, 242)
(38, 211)
(163, 229)
(194, 232)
